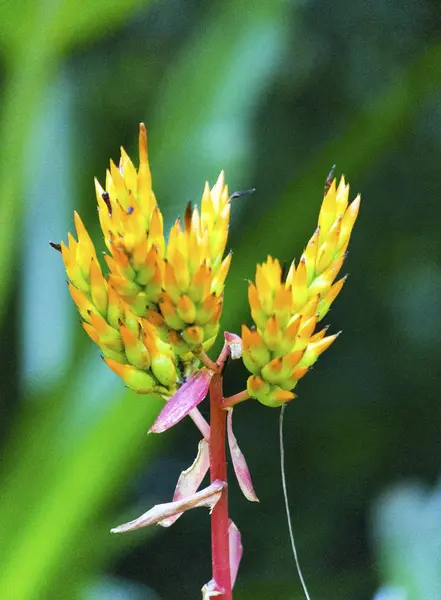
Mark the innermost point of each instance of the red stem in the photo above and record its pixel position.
(220, 549)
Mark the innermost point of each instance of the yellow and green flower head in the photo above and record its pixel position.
(283, 345)
(157, 311)
(159, 305)
(195, 271)
(132, 226)
(129, 344)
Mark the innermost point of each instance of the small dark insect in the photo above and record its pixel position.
(105, 196)
(187, 216)
(329, 179)
(55, 246)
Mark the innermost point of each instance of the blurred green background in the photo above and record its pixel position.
(274, 92)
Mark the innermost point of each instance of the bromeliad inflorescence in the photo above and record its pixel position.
(157, 311)
(283, 345)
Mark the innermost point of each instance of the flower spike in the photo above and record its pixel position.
(195, 270)
(114, 307)
(285, 311)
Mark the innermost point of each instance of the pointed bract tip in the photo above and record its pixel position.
(220, 183)
(143, 155)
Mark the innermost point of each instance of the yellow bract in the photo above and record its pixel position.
(283, 345)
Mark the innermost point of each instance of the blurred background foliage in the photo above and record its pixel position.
(275, 92)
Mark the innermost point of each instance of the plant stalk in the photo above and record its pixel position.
(236, 399)
(220, 549)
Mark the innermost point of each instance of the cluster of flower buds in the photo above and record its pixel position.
(160, 304)
(158, 310)
(195, 272)
(283, 345)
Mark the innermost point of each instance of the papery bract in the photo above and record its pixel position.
(236, 551)
(190, 479)
(234, 342)
(239, 463)
(211, 589)
(208, 497)
(189, 395)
